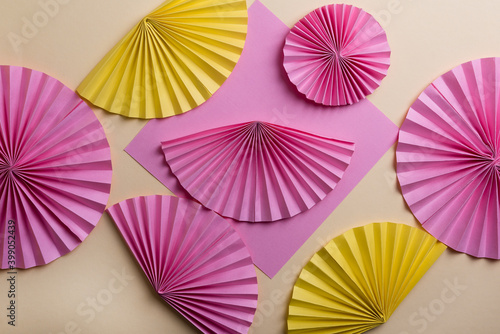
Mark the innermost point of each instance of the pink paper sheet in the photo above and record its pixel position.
(257, 171)
(259, 88)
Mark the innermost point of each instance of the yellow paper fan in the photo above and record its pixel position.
(357, 281)
(172, 61)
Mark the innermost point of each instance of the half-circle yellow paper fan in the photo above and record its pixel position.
(357, 281)
(172, 61)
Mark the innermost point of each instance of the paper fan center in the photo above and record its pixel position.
(257, 126)
(495, 162)
(334, 56)
(492, 161)
(146, 23)
(258, 129)
(9, 169)
(332, 53)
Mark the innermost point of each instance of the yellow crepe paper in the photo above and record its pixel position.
(172, 61)
(357, 281)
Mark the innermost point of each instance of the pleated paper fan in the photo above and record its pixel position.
(337, 55)
(172, 61)
(257, 171)
(356, 282)
(194, 260)
(55, 168)
(448, 158)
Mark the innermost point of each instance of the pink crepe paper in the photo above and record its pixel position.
(55, 168)
(257, 89)
(336, 55)
(194, 260)
(448, 158)
(257, 171)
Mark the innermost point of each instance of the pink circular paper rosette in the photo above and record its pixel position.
(55, 168)
(448, 158)
(336, 55)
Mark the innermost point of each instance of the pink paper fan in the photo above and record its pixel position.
(448, 158)
(193, 259)
(257, 171)
(55, 168)
(336, 55)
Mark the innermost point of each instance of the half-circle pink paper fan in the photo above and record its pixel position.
(55, 168)
(193, 258)
(336, 55)
(257, 171)
(448, 158)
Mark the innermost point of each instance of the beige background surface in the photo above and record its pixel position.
(427, 38)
